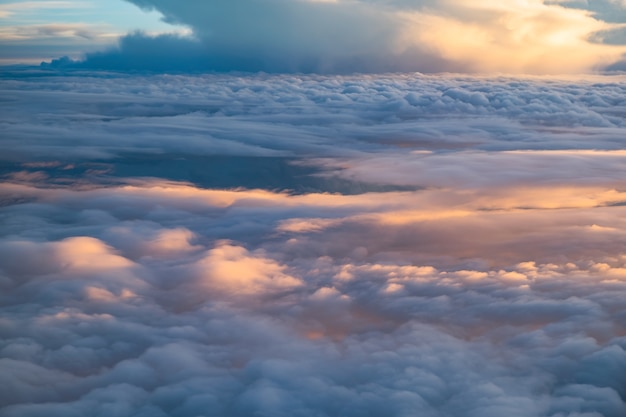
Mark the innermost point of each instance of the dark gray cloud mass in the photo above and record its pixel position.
(269, 36)
(178, 54)
(138, 52)
(310, 246)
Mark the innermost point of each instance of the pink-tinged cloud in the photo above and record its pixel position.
(233, 271)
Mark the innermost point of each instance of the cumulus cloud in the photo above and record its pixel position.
(229, 245)
(368, 37)
(230, 269)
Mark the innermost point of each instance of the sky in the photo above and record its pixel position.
(277, 208)
(35, 31)
(317, 36)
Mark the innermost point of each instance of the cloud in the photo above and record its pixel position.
(9, 8)
(132, 115)
(139, 52)
(618, 66)
(230, 269)
(607, 10)
(180, 54)
(280, 36)
(68, 30)
(311, 246)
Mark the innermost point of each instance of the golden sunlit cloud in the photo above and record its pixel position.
(87, 253)
(232, 270)
(524, 37)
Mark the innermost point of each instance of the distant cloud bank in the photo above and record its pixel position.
(340, 37)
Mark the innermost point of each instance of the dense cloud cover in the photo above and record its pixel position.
(312, 246)
(372, 36)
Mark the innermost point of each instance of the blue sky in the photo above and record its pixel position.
(32, 31)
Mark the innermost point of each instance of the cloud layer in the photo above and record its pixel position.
(312, 246)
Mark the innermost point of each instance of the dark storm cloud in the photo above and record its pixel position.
(177, 54)
(277, 36)
(139, 52)
(271, 36)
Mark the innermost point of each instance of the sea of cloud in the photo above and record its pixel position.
(310, 246)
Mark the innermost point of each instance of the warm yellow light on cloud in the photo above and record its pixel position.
(305, 225)
(232, 270)
(88, 254)
(171, 243)
(512, 36)
(103, 295)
